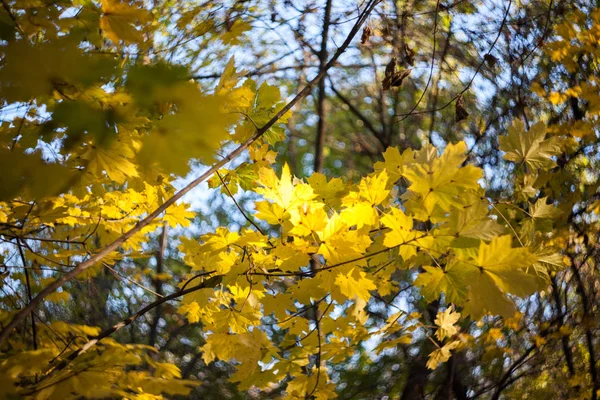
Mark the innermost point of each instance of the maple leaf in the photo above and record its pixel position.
(273, 213)
(30, 71)
(446, 321)
(373, 189)
(308, 218)
(441, 355)
(401, 227)
(394, 162)
(178, 215)
(498, 269)
(543, 210)
(482, 282)
(232, 34)
(351, 287)
(119, 21)
(290, 257)
(529, 147)
(281, 190)
(360, 214)
(449, 281)
(507, 265)
(471, 222)
(175, 139)
(115, 160)
(31, 176)
(328, 192)
(442, 182)
(246, 348)
(339, 244)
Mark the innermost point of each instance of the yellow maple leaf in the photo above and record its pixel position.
(308, 218)
(530, 146)
(360, 214)
(232, 35)
(119, 20)
(373, 188)
(400, 226)
(446, 320)
(281, 190)
(328, 192)
(441, 355)
(114, 160)
(440, 182)
(352, 287)
(178, 214)
(507, 266)
(394, 162)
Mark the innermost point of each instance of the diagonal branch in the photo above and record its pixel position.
(238, 205)
(52, 287)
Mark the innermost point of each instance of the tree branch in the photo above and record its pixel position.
(320, 140)
(208, 283)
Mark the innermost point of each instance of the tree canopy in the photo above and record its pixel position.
(250, 199)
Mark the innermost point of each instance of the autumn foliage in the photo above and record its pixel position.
(478, 281)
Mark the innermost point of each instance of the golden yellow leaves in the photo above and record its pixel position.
(577, 34)
(304, 385)
(114, 160)
(401, 228)
(334, 246)
(394, 162)
(196, 130)
(110, 376)
(358, 286)
(119, 21)
(30, 176)
(442, 354)
(360, 205)
(445, 320)
(282, 192)
(329, 192)
(178, 214)
(373, 189)
(247, 348)
(233, 33)
(441, 182)
(307, 219)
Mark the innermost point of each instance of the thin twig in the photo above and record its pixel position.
(237, 204)
(120, 275)
(468, 86)
(435, 26)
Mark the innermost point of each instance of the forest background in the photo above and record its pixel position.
(299, 199)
